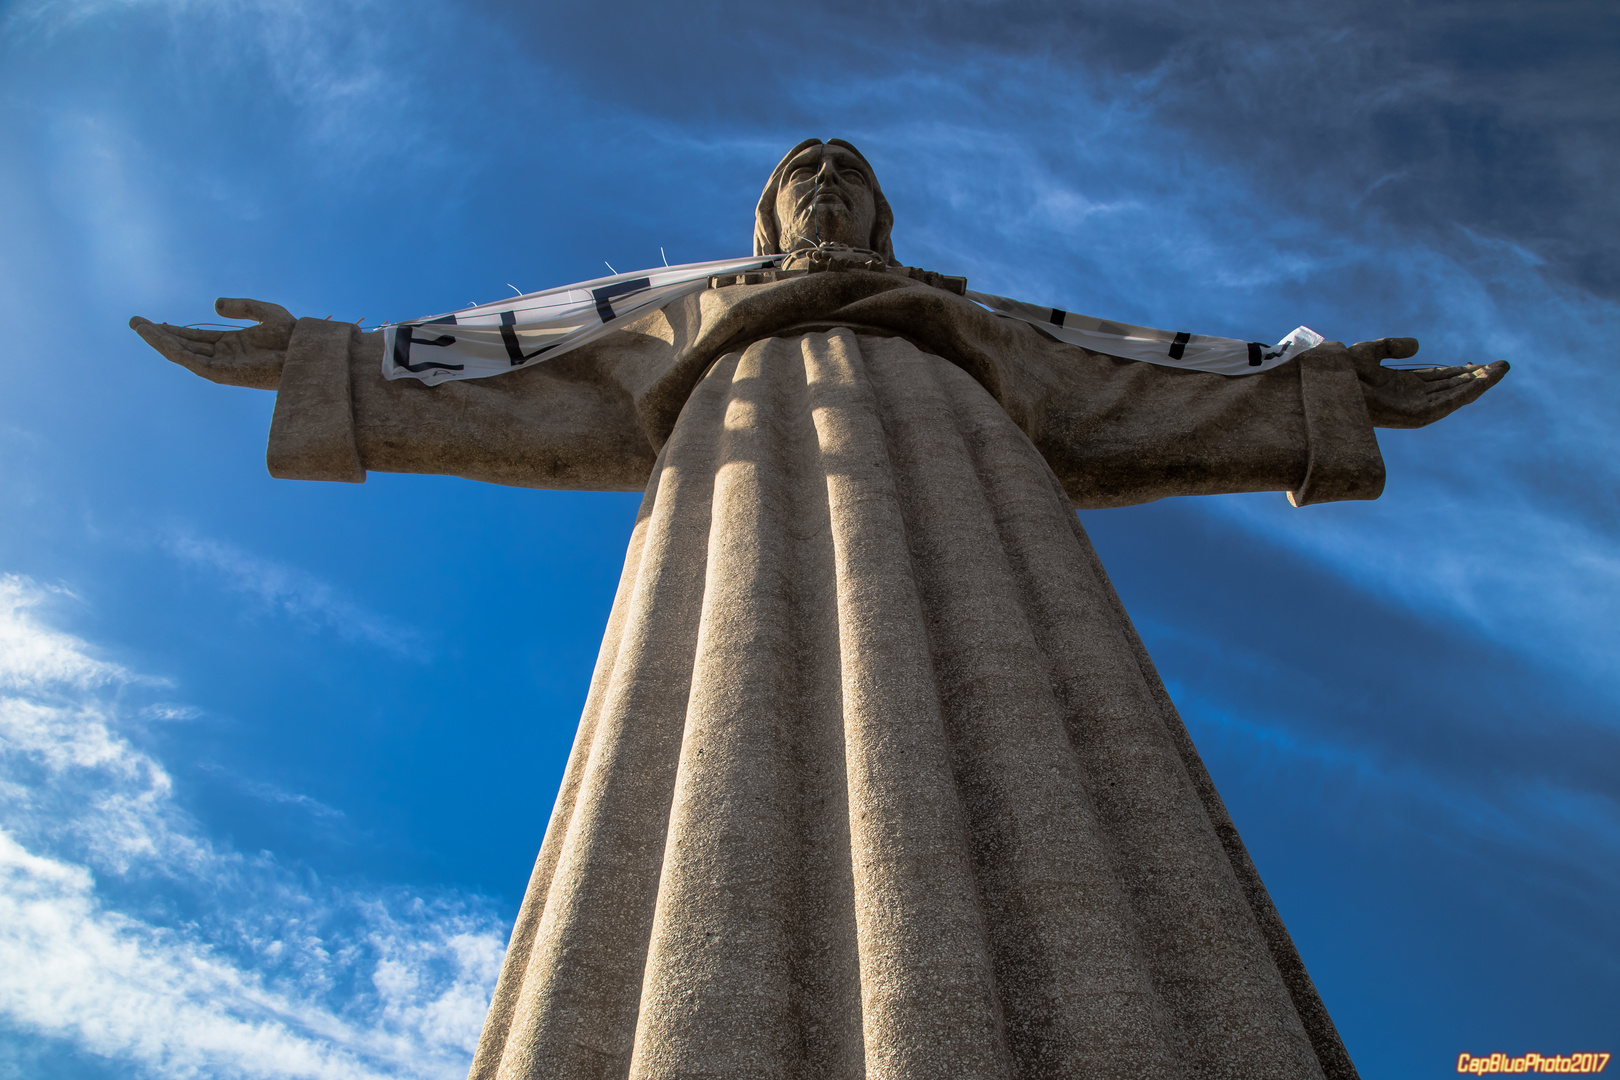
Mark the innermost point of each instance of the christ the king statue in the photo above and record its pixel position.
(875, 778)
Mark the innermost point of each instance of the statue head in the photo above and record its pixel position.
(827, 189)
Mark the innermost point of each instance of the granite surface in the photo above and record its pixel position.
(875, 778)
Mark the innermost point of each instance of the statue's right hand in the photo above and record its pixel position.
(251, 356)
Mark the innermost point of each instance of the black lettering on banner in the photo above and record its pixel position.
(509, 338)
(1058, 315)
(1179, 346)
(1256, 352)
(606, 293)
(405, 337)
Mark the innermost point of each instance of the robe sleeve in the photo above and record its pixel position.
(570, 423)
(1118, 432)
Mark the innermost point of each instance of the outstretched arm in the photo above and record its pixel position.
(569, 423)
(1118, 432)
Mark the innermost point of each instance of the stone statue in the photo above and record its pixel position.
(875, 778)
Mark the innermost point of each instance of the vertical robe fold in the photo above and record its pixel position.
(875, 778)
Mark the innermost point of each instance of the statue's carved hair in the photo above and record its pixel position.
(767, 235)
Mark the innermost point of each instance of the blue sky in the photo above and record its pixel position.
(273, 770)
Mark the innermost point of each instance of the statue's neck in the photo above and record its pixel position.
(806, 255)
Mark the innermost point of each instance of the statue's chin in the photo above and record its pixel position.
(834, 224)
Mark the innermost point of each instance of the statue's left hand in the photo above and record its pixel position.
(1414, 398)
(252, 356)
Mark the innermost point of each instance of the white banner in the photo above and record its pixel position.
(489, 339)
(1225, 356)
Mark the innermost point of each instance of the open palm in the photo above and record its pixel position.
(1415, 398)
(252, 356)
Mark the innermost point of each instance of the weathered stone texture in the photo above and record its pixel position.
(875, 778)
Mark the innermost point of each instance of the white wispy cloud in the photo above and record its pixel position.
(288, 591)
(1499, 518)
(34, 657)
(104, 192)
(353, 69)
(1463, 784)
(227, 966)
(275, 793)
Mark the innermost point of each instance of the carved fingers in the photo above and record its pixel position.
(1452, 388)
(1384, 348)
(191, 349)
(272, 317)
(1369, 356)
(252, 356)
(1413, 399)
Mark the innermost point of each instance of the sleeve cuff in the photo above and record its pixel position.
(1344, 462)
(312, 428)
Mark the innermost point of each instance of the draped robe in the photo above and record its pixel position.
(874, 777)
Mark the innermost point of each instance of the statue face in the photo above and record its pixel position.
(825, 188)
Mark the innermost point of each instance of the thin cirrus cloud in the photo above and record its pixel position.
(1116, 210)
(1489, 114)
(349, 70)
(275, 793)
(127, 934)
(1499, 522)
(1235, 172)
(1494, 521)
(1512, 794)
(1488, 524)
(289, 592)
